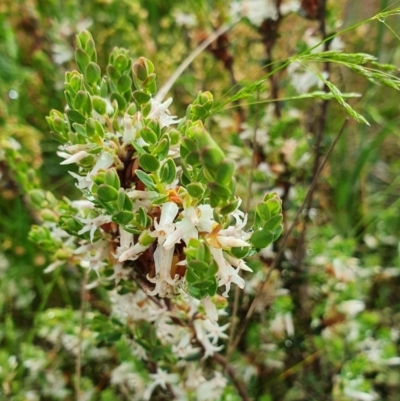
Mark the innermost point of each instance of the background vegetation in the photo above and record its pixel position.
(324, 320)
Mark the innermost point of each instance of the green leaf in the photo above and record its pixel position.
(123, 201)
(140, 97)
(121, 102)
(263, 211)
(168, 172)
(75, 117)
(111, 178)
(193, 158)
(187, 146)
(121, 63)
(99, 129)
(225, 172)
(149, 162)
(113, 73)
(107, 193)
(174, 136)
(122, 217)
(195, 189)
(124, 84)
(99, 104)
(240, 252)
(273, 223)
(274, 206)
(219, 190)
(139, 69)
(212, 157)
(80, 129)
(80, 99)
(230, 207)
(199, 267)
(161, 150)
(90, 127)
(82, 59)
(149, 84)
(146, 180)
(148, 135)
(262, 238)
(92, 73)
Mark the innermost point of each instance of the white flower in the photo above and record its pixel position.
(131, 126)
(357, 395)
(159, 111)
(83, 181)
(185, 19)
(215, 332)
(94, 255)
(226, 273)
(82, 204)
(125, 375)
(291, 6)
(53, 266)
(163, 256)
(352, 307)
(184, 348)
(125, 242)
(211, 390)
(202, 336)
(75, 158)
(119, 273)
(105, 161)
(210, 309)
(161, 378)
(194, 220)
(133, 252)
(259, 10)
(302, 79)
(194, 377)
(92, 224)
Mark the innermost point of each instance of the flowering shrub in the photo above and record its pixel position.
(125, 289)
(159, 219)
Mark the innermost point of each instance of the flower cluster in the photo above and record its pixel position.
(159, 207)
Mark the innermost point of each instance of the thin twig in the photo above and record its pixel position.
(236, 382)
(318, 129)
(324, 104)
(189, 59)
(253, 304)
(78, 365)
(246, 210)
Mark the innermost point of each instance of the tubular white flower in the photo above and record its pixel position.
(201, 334)
(159, 111)
(83, 181)
(105, 161)
(161, 378)
(230, 242)
(194, 220)
(133, 253)
(92, 224)
(129, 130)
(70, 159)
(226, 273)
(210, 308)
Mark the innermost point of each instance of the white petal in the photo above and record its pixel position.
(210, 309)
(133, 253)
(169, 211)
(75, 158)
(229, 242)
